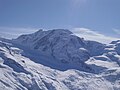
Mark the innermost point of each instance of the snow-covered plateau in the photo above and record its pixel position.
(58, 60)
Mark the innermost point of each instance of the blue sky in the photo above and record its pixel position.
(102, 16)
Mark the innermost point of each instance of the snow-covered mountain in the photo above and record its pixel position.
(62, 45)
(58, 60)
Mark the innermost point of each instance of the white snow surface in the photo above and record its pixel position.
(58, 60)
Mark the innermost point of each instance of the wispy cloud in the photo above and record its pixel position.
(10, 32)
(117, 31)
(92, 35)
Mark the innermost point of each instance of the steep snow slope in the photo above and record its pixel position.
(33, 76)
(58, 60)
(21, 73)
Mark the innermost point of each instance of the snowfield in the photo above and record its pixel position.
(58, 60)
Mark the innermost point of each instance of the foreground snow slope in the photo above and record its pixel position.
(58, 60)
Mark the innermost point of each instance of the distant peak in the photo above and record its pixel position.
(115, 42)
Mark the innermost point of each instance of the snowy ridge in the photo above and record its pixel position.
(58, 60)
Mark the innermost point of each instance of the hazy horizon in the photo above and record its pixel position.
(27, 16)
